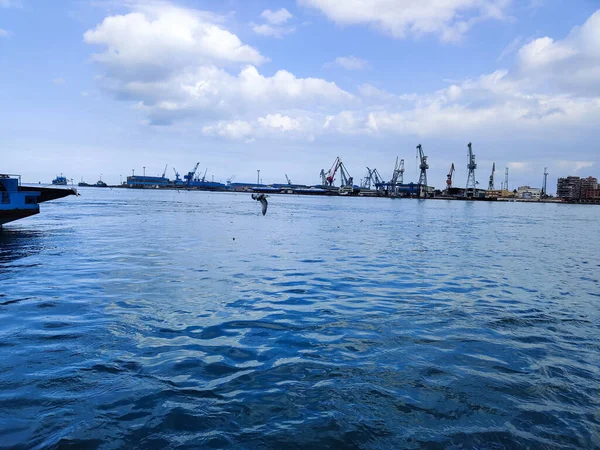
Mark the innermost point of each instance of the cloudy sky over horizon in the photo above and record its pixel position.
(92, 87)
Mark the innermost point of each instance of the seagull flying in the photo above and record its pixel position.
(262, 198)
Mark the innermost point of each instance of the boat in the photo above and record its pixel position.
(60, 181)
(18, 201)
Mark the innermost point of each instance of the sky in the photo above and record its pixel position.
(100, 88)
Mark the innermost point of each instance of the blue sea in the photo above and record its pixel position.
(155, 319)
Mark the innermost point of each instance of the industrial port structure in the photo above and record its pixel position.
(569, 189)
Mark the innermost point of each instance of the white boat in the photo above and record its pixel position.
(18, 202)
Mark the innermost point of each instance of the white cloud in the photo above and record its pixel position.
(174, 63)
(348, 63)
(211, 92)
(274, 26)
(236, 130)
(519, 165)
(449, 19)
(272, 31)
(279, 122)
(570, 65)
(574, 166)
(58, 81)
(3, 33)
(159, 39)
(276, 17)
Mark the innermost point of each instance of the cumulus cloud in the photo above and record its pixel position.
(449, 19)
(237, 129)
(274, 26)
(571, 64)
(276, 17)
(348, 63)
(574, 166)
(3, 33)
(293, 125)
(272, 31)
(174, 63)
(58, 81)
(159, 39)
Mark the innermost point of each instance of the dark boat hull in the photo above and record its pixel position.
(47, 194)
(16, 214)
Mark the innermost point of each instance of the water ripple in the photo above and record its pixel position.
(159, 319)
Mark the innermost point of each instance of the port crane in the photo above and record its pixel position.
(366, 182)
(397, 175)
(204, 176)
(329, 177)
(423, 166)
(165, 171)
(230, 179)
(288, 180)
(177, 179)
(378, 179)
(491, 184)
(449, 178)
(323, 176)
(190, 176)
(471, 183)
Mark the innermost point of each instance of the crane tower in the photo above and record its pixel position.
(491, 185)
(545, 185)
(449, 178)
(471, 183)
(423, 166)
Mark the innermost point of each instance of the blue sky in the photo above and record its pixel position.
(92, 87)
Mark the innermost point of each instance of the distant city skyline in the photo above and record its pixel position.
(284, 87)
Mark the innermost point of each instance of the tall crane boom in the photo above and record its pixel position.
(423, 166)
(491, 184)
(165, 171)
(288, 180)
(323, 176)
(190, 176)
(397, 175)
(449, 177)
(471, 183)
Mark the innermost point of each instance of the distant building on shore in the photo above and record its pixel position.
(578, 189)
(529, 193)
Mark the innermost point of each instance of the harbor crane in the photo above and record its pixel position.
(379, 183)
(204, 176)
(177, 179)
(471, 183)
(165, 171)
(323, 176)
(288, 180)
(190, 176)
(423, 166)
(491, 184)
(366, 181)
(230, 179)
(329, 177)
(397, 175)
(449, 178)
(374, 178)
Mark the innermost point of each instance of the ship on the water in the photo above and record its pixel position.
(18, 201)
(60, 180)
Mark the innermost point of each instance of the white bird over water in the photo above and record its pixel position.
(262, 198)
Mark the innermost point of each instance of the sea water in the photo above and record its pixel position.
(165, 319)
